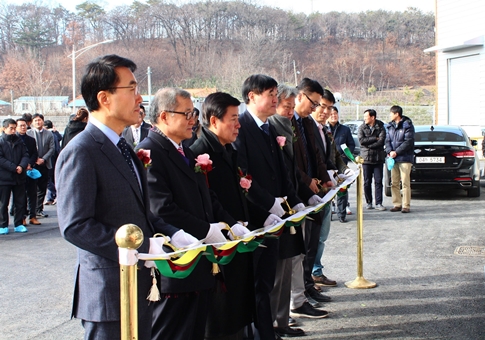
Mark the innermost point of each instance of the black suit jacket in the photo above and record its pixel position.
(264, 163)
(128, 134)
(31, 146)
(238, 275)
(181, 197)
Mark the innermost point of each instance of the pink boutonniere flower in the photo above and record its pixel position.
(144, 156)
(203, 164)
(281, 140)
(244, 180)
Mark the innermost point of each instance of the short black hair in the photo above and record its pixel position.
(372, 112)
(8, 121)
(143, 108)
(101, 75)
(215, 105)
(257, 83)
(21, 119)
(39, 115)
(48, 124)
(27, 117)
(328, 95)
(308, 85)
(396, 109)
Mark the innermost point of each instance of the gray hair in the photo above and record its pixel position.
(285, 91)
(165, 99)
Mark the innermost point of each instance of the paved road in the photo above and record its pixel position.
(424, 290)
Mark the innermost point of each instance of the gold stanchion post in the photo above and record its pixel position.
(360, 282)
(129, 237)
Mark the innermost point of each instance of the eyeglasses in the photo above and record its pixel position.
(188, 115)
(314, 104)
(131, 87)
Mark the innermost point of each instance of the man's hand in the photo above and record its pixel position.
(313, 185)
(40, 161)
(215, 234)
(182, 239)
(19, 169)
(238, 230)
(314, 200)
(392, 154)
(271, 220)
(277, 209)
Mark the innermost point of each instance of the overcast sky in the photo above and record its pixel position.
(306, 6)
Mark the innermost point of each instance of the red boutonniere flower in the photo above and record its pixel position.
(281, 140)
(203, 164)
(244, 180)
(144, 157)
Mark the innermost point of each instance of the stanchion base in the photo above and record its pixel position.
(360, 283)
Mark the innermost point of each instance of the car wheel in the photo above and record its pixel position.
(387, 183)
(474, 192)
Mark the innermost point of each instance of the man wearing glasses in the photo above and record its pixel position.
(180, 195)
(102, 186)
(313, 170)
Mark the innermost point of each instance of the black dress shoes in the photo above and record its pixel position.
(316, 295)
(288, 332)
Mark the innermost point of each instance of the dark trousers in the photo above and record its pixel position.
(265, 260)
(312, 237)
(375, 170)
(41, 186)
(181, 317)
(51, 186)
(342, 203)
(281, 294)
(18, 202)
(31, 195)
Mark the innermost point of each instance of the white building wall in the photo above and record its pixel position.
(459, 21)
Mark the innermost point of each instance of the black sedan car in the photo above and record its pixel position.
(443, 156)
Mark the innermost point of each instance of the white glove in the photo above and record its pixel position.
(277, 209)
(314, 200)
(349, 172)
(181, 239)
(331, 174)
(215, 234)
(299, 207)
(271, 220)
(156, 244)
(238, 230)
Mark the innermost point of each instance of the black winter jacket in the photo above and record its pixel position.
(12, 154)
(372, 143)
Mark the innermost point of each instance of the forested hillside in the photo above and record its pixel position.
(216, 44)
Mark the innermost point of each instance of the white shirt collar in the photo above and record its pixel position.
(108, 132)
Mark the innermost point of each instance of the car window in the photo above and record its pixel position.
(438, 136)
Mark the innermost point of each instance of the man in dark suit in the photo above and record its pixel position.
(30, 183)
(220, 129)
(260, 155)
(312, 166)
(290, 262)
(179, 193)
(102, 186)
(143, 115)
(46, 150)
(135, 133)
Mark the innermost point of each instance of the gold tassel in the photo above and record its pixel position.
(292, 230)
(215, 269)
(154, 294)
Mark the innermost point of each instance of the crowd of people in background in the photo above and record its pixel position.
(286, 145)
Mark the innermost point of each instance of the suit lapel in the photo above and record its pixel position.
(174, 155)
(254, 133)
(114, 155)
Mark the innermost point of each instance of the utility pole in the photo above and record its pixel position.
(149, 74)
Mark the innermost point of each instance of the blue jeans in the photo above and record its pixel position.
(324, 231)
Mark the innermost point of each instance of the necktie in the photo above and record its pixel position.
(126, 155)
(305, 144)
(322, 134)
(181, 151)
(136, 136)
(265, 128)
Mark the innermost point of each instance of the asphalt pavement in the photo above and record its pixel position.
(424, 290)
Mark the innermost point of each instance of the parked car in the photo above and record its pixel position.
(444, 155)
(354, 129)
